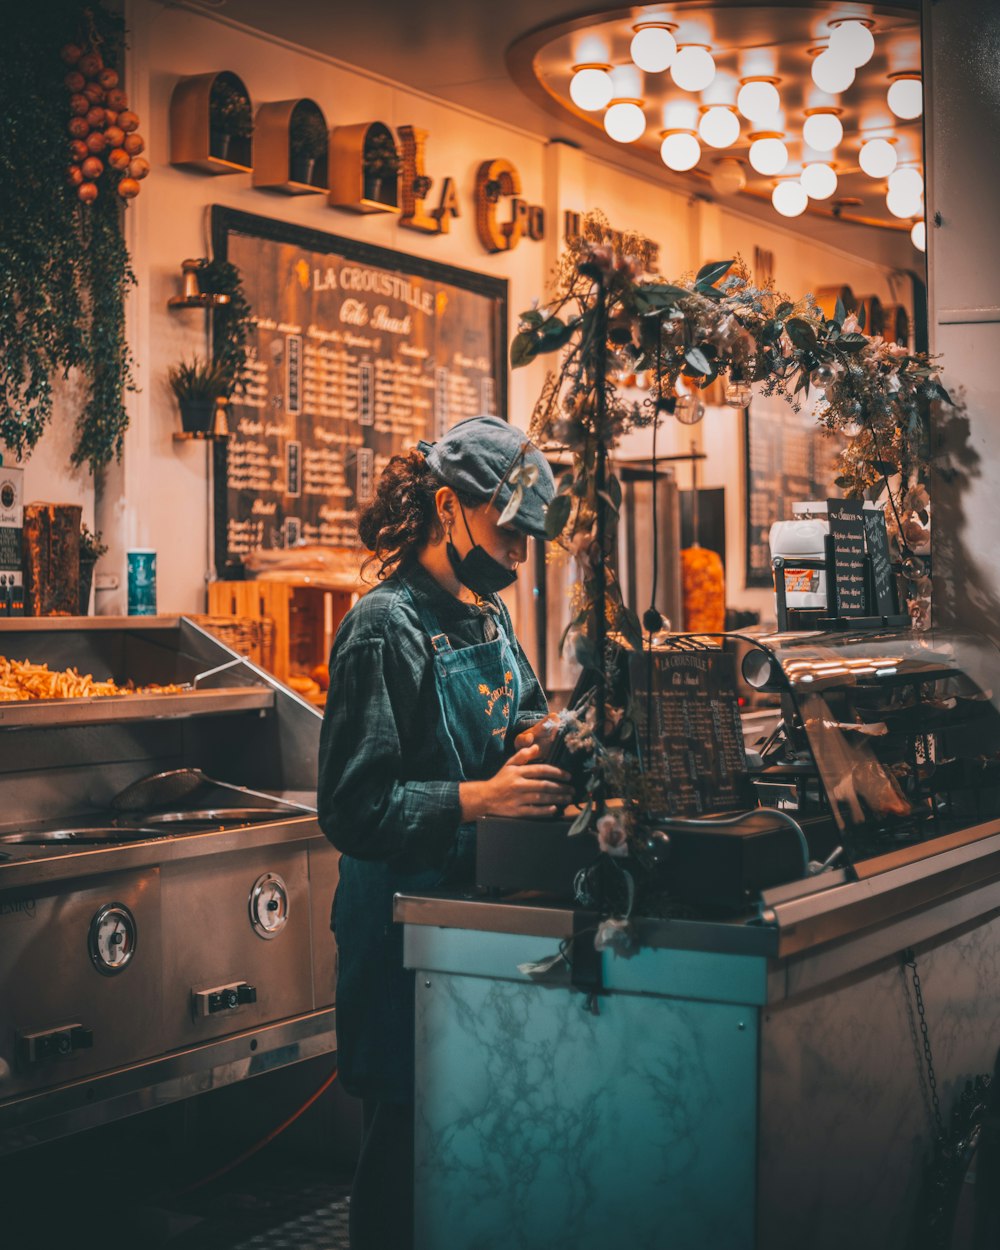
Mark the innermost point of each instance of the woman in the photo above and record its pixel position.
(431, 723)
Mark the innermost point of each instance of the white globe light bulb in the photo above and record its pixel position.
(680, 151)
(653, 49)
(819, 180)
(624, 121)
(790, 199)
(758, 100)
(768, 156)
(854, 42)
(902, 204)
(719, 127)
(906, 182)
(728, 176)
(590, 88)
(831, 74)
(823, 131)
(918, 236)
(693, 68)
(906, 98)
(877, 158)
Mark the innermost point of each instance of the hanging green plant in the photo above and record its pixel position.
(232, 324)
(64, 267)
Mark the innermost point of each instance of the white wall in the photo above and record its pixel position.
(964, 263)
(159, 496)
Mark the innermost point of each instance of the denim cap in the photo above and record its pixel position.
(485, 458)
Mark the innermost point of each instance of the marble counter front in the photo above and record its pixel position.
(732, 1085)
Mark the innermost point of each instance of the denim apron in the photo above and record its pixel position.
(478, 688)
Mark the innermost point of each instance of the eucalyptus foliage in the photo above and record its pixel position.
(64, 267)
(702, 326)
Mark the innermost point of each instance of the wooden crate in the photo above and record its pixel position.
(305, 618)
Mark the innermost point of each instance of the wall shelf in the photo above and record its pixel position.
(197, 301)
(273, 163)
(191, 139)
(347, 178)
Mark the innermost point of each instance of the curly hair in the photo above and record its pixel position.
(402, 517)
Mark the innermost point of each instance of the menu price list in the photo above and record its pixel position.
(692, 751)
(338, 383)
(789, 459)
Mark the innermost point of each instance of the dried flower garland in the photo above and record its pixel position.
(717, 323)
(607, 317)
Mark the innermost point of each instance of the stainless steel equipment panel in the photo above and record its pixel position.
(49, 980)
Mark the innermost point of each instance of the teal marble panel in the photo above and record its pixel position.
(720, 977)
(542, 1126)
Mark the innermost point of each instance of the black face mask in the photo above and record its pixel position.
(477, 569)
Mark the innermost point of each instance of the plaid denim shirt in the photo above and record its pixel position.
(380, 791)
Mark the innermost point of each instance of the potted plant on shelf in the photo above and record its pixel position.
(380, 165)
(307, 141)
(199, 385)
(91, 550)
(230, 120)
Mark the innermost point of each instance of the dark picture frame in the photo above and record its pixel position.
(490, 321)
(788, 457)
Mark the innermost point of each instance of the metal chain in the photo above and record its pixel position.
(910, 960)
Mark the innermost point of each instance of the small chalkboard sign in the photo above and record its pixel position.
(689, 733)
(882, 577)
(847, 535)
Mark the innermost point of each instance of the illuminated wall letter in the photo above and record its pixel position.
(415, 184)
(448, 207)
(493, 180)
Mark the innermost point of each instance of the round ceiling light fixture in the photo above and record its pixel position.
(591, 88)
(680, 150)
(625, 121)
(819, 180)
(719, 126)
(789, 198)
(907, 183)
(728, 176)
(877, 158)
(918, 236)
(902, 204)
(693, 67)
(768, 154)
(823, 129)
(758, 98)
(906, 96)
(853, 41)
(653, 46)
(832, 73)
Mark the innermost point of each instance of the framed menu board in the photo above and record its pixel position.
(789, 457)
(688, 731)
(358, 352)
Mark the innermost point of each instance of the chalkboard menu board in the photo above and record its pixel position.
(789, 458)
(883, 579)
(847, 551)
(358, 352)
(692, 751)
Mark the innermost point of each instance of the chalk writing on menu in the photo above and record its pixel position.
(882, 575)
(693, 756)
(790, 458)
(351, 362)
(847, 530)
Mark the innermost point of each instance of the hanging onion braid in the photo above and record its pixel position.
(403, 516)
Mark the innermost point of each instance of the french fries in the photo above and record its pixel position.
(20, 680)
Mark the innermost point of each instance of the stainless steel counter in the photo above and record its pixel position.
(225, 963)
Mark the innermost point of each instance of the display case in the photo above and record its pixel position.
(890, 739)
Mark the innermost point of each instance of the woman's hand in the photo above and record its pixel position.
(542, 732)
(523, 787)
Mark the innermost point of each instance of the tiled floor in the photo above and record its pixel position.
(124, 1188)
